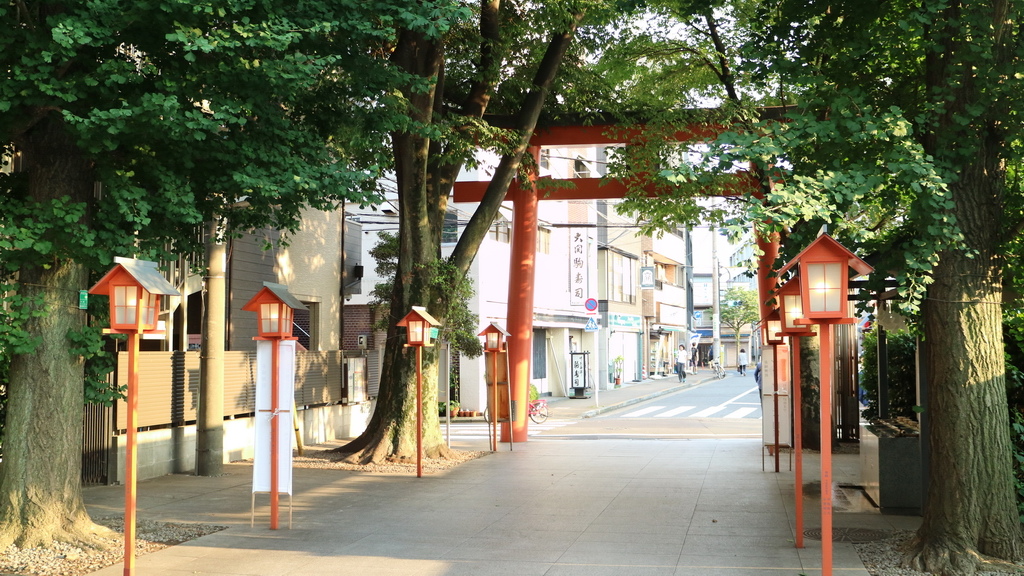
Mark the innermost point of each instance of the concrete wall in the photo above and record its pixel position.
(173, 450)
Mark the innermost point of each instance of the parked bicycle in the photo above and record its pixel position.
(537, 410)
(717, 368)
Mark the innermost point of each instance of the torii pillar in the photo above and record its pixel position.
(522, 268)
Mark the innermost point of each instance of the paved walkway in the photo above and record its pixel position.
(551, 507)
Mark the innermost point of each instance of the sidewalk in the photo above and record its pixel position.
(551, 507)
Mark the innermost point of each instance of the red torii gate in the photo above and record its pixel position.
(524, 240)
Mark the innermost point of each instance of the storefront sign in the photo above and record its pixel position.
(630, 322)
(579, 265)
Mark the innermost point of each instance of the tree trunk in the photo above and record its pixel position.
(40, 481)
(423, 189)
(971, 504)
(391, 433)
(810, 392)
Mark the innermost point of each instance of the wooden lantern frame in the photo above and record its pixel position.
(135, 289)
(494, 337)
(275, 310)
(418, 323)
(824, 277)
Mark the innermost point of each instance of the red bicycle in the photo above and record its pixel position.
(537, 410)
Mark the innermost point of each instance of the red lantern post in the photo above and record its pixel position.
(419, 326)
(494, 340)
(790, 310)
(134, 288)
(770, 336)
(274, 307)
(823, 272)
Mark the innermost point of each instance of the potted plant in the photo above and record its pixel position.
(617, 364)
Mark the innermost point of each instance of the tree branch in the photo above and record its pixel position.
(724, 71)
(526, 122)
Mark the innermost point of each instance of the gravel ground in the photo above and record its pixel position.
(334, 460)
(68, 560)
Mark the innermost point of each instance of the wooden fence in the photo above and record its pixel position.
(169, 384)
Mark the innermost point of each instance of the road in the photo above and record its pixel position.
(727, 408)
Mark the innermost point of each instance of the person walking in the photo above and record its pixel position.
(693, 359)
(681, 360)
(741, 361)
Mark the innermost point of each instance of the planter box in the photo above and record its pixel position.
(890, 468)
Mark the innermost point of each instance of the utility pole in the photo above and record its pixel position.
(716, 321)
(210, 419)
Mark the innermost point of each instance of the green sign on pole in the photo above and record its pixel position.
(83, 299)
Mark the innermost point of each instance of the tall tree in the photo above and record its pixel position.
(914, 109)
(741, 308)
(504, 57)
(125, 127)
(901, 126)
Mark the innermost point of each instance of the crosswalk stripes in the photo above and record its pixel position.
(729, 410)
(643, 412)
(674, 412)
(708, 412)
(740, 413)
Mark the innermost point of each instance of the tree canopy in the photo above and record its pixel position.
(124, 128)
(898, 129)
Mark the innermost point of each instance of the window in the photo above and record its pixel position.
(501, 231)
(304, 326)
(580, 168)
(544, 241)
(450, 228)
(622, 278)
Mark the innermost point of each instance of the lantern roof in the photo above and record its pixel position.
(788, 288)
(272, 292)
(143, 272)
(494, 327)
(418, 313)
(827, 246)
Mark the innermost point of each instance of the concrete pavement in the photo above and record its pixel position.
(552, 507)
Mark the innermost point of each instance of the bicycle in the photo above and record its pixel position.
(537, 410)
(717, 368)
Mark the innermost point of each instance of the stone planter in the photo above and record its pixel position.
(890, 468)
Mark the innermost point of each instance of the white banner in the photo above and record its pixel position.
(579, 266)
(285, 430)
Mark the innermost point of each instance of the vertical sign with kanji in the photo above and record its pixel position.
(579, 265)
(578, 368)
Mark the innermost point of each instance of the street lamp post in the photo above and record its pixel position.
(823, 272)
(134, 288)
(494, 340)
(419, 326)
(274, 307)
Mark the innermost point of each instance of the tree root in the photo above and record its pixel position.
(945, 560)
(82, 532)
